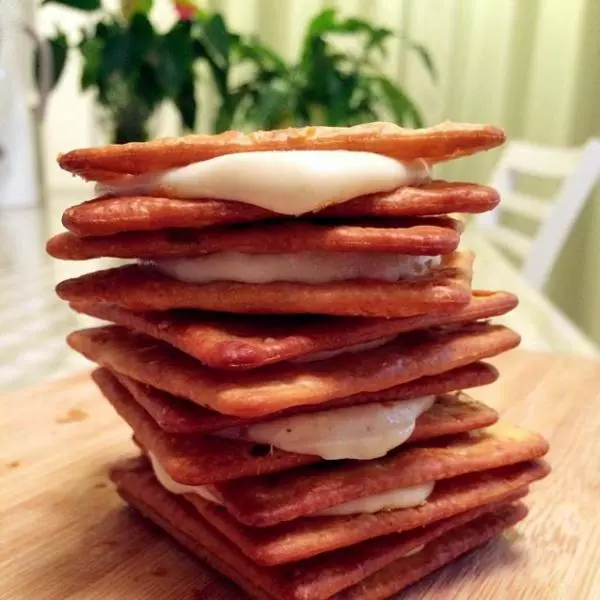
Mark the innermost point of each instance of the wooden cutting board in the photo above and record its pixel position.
(65, 535)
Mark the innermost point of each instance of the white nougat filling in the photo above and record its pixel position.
(180, 488)
(312, 267)
(390, 500)
(359, 432)
(291, 182)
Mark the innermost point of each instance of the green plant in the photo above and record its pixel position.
(325, 86)
(131, 67)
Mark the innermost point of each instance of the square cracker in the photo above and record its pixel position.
(431, 236)
(277, 387)
(271, 499)
(441, 142)
(448, 547)
(312, 536)
(178, 415)
(141, 287)
(115, 214)
(203, 459)
(244, 342)
(308, 580)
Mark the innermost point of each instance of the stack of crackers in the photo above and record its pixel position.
(309, 439)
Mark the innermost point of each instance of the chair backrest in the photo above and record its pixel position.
(578, 169)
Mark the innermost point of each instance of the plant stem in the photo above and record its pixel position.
(130, 130)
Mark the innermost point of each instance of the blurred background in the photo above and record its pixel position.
(84, 72)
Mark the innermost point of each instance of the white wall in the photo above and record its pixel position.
(18, 172)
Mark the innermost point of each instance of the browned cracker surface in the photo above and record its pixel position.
(309, 536)
(308, 580)
(418, 236)
(274, 388)
(115, 214)
(401, 573)
(178, 415)
(144, 288)
(272, 499)
(202, 459)
(441, 142)
(196, 459)
(243, 342)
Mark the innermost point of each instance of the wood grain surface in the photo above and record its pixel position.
(65, 535)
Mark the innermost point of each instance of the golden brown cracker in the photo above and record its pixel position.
(311, 536)
(308, 580)
(398, 575)
(332, 572)
(274, 388)
(143, 288)
(243, 342)
(201, 459)
(176, 517)
(426, 236)
(441, 142)
(178, 415)
(272, 499)
(195, 459)
(107, 215)
(434, 198)
(115, 214)
(452, 414)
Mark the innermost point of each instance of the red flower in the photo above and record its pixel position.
(186, 9)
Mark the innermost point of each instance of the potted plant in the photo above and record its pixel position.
(325, 86)
(131, 67)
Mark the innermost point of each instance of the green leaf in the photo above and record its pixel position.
(212, 41)
(87, 5)
(127, 72)
(175, 59)
(220, 77)
(377, 40)
(145, 88)
(117, 57)
(91, 51)
(351, 25)
(186, 102)
(227, 111)
(319, 70)
(321, 23)
(271, 105)
(132, 7)
(253, 51)
(216, 38)
(426, 58)
(143, 39)
(58, 48)
(401, 106)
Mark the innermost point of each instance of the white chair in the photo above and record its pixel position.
(579, 171)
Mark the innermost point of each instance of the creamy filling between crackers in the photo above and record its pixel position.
(362, 432)
(390, 500)
(311, 267)
(290, 182)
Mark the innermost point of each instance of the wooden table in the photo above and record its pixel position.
(66, 535)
